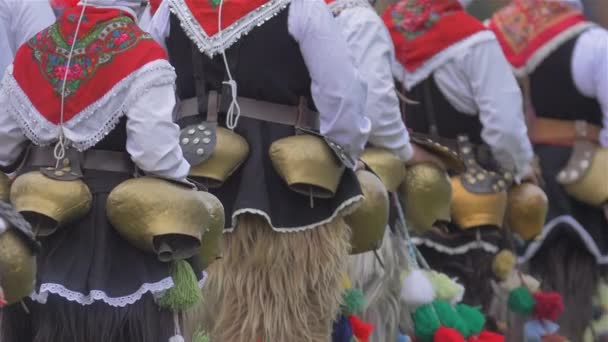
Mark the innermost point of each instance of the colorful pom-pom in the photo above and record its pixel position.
(445, 287)
(361, 330)
(474, 319)
(449, 317)
(417, 289)
(487, 336)
(521, 301)
(426, 323)
(354, 302)
(503, 265)
(445, 334)
(549, 305)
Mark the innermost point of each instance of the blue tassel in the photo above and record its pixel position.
(403, 338)
(342, 330)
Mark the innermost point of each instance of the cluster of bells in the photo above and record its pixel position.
(177, 222)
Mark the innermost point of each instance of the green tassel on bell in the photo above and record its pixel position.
(185, 292)
(200, 336)
(354, 302)
(473, 318)
(521, 301)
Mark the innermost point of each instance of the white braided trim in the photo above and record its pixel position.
(425, 70)
(572, 223)
(338, 6)
(548, 48)
(216, 43)
(93, 123)
(344, 208)
(462, 249)
(156, 289)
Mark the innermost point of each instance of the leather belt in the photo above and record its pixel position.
(563, 132)
(100, 160)
(297, 116)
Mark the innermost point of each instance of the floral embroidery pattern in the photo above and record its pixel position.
(414, 17)
(98, 47)
(215, 3)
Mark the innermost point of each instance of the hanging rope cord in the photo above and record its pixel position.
(234, 110)
(60, 148)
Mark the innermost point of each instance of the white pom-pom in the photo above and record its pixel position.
(177, 338)
(417, 289)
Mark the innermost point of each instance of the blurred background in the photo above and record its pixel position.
(597, 10)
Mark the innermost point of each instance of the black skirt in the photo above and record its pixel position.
(566, 214)
(87, 270)
(256, 188)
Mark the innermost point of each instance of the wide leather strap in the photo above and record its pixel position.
(100, 160)
(563, 132)
(297, 116)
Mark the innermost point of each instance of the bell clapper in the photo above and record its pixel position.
(2, 300)
(378, 258)
(606, 211)
(312, 199)
(25, 308)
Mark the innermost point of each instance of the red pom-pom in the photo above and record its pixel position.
(549, 305)
(361, 330)
(486, 336)
(445, 334)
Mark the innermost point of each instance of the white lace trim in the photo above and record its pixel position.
(211, 45)
(156, 289)
(93, 123)
(425, 70)
(338, 6)
(573, 224)
(546, 50)
(343, 209)
(462, 249)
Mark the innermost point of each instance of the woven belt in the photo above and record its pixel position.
(563, 132)
(297, 116)
(100, 160)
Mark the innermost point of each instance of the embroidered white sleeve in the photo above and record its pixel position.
(371, 48)
(337, 90)
(590, 70)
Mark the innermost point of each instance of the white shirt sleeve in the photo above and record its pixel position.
(481, 81)
(12, 139)
(372, 49)
(590, 70)
(19, 21)
(153, 138)
(159, 25)
(337, 90)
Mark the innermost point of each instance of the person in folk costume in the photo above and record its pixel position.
(561, 59)
(462, 94)
(261, 70)
(19, 21)
(371, 50)
(87, 103)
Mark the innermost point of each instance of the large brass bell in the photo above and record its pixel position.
(471, 210)
(49, 203)
(426, 195)
(212, 238)
(592, 187)
(5, 187)
(159, 216)
(527, 210)
(230, 152)
(307, 164)
(386, 165)
(17, 266)
(368, 222)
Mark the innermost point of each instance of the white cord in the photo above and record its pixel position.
(60, 149)
(234, 110)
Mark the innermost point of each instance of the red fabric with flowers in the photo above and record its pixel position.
(206, 12)
(420, 29)
(525, 26)
(110, 46)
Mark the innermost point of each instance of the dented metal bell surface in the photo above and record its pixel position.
(212, 238)
(527, 210)
(426, 195)
(368, 222)
(386, 165)
(49, 203)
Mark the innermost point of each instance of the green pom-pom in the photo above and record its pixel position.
(449, 317)
(426, 322)
(200, 336)
(354, 302)
(185, 293)
(473, 318)
(521, 301)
